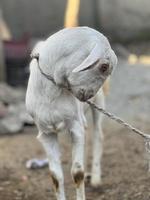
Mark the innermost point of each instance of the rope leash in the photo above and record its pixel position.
(128, 126)
(108, 114)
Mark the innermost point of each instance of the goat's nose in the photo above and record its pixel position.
(90, 94)
(84, 95)
(81, 94)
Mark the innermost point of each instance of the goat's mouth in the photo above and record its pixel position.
(84, 95)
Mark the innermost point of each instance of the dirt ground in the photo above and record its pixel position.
(125, 176)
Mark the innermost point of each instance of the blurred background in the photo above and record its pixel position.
(127, 26)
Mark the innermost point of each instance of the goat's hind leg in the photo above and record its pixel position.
(50, 144)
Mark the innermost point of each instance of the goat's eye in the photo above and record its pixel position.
(104, 68)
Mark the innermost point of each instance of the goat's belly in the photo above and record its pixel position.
(53, 118)
(51, 128)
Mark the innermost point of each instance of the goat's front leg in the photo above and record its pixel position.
(97, 142)
(50, 144)
(77, 170)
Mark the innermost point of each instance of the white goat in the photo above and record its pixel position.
(79, 59)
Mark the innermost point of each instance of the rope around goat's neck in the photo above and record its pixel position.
(133, 129)
(48, 76)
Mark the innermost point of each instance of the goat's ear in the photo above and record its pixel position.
(113, 58)
(91, 60)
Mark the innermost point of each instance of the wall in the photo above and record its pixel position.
(40, 17)
(125, 19)
(120, 19)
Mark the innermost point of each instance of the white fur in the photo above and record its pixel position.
(64, 57)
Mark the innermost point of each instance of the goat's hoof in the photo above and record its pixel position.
(95, 181)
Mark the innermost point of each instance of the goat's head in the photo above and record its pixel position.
(86, 79)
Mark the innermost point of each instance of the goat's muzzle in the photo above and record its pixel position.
(84, 95)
